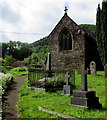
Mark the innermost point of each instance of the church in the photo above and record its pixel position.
(71, 46)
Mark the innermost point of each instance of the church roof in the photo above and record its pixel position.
(62, 19)
(73, 22)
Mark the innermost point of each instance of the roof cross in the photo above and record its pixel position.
(65, 9)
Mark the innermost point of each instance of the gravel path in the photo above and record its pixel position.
(9, 101)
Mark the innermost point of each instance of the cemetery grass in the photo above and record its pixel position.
(29, 101)
(18, 71)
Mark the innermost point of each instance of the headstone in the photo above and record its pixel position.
(105, 69)
(83, 73)
(48, 63)
(84, 80)
(93, 68)
(48, 66)
(67, 76)
(85, 98)
(66, 88)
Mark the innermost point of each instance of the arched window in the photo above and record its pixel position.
(65, 39)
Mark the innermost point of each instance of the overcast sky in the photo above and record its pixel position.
(30, 20)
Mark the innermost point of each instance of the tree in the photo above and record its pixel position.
(17, 49)
(4, 49)
(101, 32)
(24, 51)
(8, 61)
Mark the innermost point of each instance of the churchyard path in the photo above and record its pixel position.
(9, 101)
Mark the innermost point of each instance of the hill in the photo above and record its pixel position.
(40, 45)
(89, 27)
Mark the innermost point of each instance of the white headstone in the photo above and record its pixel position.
(93, 68)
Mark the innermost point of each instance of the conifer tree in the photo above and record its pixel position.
(101, 32)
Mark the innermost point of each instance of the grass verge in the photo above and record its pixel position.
(29, 101)
(18, 71)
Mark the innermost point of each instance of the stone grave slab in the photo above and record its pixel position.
(85, 99)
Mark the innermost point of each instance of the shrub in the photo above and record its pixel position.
(5, 81)
(19, 64)
(53, 85)
(31, 68)
(19, 69)
(2, 61)
(9, 60)
(4, 69)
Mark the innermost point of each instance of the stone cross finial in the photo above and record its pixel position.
(67, 76)
(65, 9)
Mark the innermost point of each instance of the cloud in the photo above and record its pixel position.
(3, 37)
(8, 14)
(41, 16)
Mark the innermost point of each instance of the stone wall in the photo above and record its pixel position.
(84, 48)
(67, 59)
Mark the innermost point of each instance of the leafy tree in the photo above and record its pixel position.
(4, 47)
(24, 51)
(17, 49)
(34, 58)
(8, 61)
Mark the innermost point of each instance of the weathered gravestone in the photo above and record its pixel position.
(66, 88)
(84, 80)
(93, 68)
(85, 98)
(105, 69)
(48, 66)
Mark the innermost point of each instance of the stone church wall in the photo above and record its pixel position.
(82, 52)
(67, 59)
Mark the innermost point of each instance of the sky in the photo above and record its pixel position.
(31, 20)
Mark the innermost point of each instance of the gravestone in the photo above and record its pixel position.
(85, 98)
(84, 80)
(66, 88)
(105, 69)
(48, 66)
(93, 68)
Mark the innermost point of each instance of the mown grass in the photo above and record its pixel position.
(29, 101)
(18, 71)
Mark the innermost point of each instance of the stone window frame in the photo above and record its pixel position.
(59, 39)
